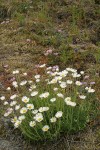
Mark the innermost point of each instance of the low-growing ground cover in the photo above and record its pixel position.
(64, 33)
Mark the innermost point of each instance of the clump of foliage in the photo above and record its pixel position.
(47, 104)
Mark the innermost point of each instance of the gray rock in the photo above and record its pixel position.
(5, 145)
(8, 145)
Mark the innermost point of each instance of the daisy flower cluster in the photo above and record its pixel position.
(45, 105)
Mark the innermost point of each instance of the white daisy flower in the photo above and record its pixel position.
(22, 117)
(15, 72)
(13, 96)
(63, 85)
(37, 76)
(68, 99)
(13, 103)
(23, 82)
(30, 89)
(17, 123)
(30, 106)
(74, 75)
(32, 123)
(35, 111)
(91, 90)
(25, 74)
(48, 72)
(45, 108)
(78, 83)
(54, 74)
(17, 107)
(59, 114)
(44, 95)
(52, 99)
(38, 117)
(70, 103)
(33, 86)
(8, 89)
(82, 96)
(30, 81)
(78, 75)
(48, 68)
(45, 128)
(5, 103)
(37, 80)
(53, 81)
(60, 95)
(15, 84)
(25, 99)
(42, 66)
(8, 112)
(68, 69)
(34, 93)
(2, 98)
(81, 72)
(47, 80)
(13, 120)
(53, 119)
(55, 89)
(71, 69)
(23, 110)
(69, 81)
(42, 109)
(57, 69)
(63, 73)
(86, 88)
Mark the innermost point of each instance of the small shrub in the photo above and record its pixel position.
(43, 106)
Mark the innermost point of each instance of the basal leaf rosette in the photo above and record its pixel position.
(49, 104)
